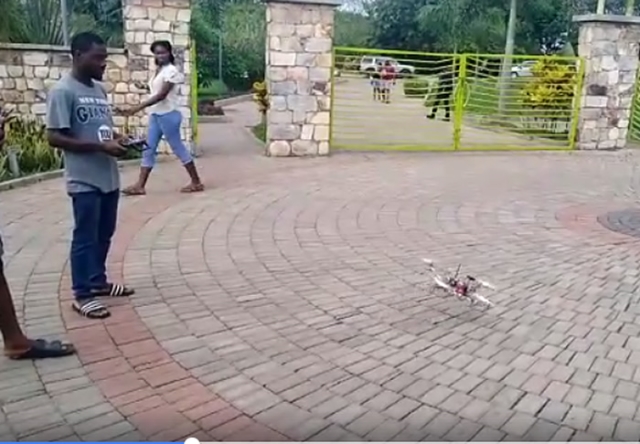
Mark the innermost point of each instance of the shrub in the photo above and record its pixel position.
(418, 87)
(261, 98)
(551, 87)
(349, 64)
(28, 137)
(214, 90)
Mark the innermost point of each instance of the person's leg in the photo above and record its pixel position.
(154, 134)
(170, 124)
(447, 107)
(16, 344)
(84, 251)
(14, 338)
(436, 104)
(106, 229)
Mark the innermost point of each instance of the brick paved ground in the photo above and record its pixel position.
(288, 302)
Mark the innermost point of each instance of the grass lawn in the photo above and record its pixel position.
(260, 131)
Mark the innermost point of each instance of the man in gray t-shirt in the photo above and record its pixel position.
(79, 122)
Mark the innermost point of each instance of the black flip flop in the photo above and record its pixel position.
(114, 291)
(43, 349)
(90, 309)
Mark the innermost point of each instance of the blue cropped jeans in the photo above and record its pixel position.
(167, 125)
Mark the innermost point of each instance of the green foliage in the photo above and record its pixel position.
(243, 35)
(352, 29)
(418, 87)
(261, 97)
(551, 86)
(240, 27)
(214, 90)
(260, 131)
(28, 137)
(40, 21)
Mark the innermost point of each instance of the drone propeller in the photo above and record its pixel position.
(486, 284)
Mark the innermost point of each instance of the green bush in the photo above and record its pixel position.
(214, 90)
(418, 87)
(28, 137)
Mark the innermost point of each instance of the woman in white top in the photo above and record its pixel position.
(164, 120)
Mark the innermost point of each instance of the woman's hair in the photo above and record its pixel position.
(166, 45)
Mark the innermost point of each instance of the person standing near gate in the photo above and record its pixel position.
(444, 92)
(388, 79)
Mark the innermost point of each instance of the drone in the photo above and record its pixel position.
(138, 144)
(462, 288)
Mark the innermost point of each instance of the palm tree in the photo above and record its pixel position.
(40, 21)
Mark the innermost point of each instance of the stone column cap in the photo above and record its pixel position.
(607, 18)
(335, 3)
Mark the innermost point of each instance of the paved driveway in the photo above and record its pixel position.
(288, 302)
(362, 122)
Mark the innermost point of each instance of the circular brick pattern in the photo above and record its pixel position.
(290, 302)
(625, 221)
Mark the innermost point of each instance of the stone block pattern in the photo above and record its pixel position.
(610, 51)
(299, 62)
(27, 72)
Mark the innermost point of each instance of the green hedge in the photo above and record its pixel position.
(418, 87)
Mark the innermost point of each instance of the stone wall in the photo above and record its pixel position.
(298, 75)
(146, 21)
(609, 46)
(28, 71)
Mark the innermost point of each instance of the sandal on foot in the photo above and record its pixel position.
(43, 349)
(91, 309)
(192, 188)
(114, 291)
(134, 191)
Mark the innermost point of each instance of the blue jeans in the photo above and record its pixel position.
(167, 125)
(95, 215)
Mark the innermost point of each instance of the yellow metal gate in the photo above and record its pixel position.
(454, 101)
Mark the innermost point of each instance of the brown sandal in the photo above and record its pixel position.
(192, 188)
(134, 191)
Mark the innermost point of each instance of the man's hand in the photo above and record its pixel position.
(113, 148)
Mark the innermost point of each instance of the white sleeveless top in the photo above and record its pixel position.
(171, 74)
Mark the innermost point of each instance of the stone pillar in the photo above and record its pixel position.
(609, 46)
(299, 57)
(146, 21)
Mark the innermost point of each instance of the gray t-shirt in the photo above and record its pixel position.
(85, 112)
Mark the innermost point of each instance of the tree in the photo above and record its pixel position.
(40, 21)
(352, 29)
(462, 26)
(395, 23)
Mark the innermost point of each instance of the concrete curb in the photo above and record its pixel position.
(234, 100)
(47, 175)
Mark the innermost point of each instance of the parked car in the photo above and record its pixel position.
(369, 64)
(523, 69)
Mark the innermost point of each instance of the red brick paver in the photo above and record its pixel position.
(288, 302)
